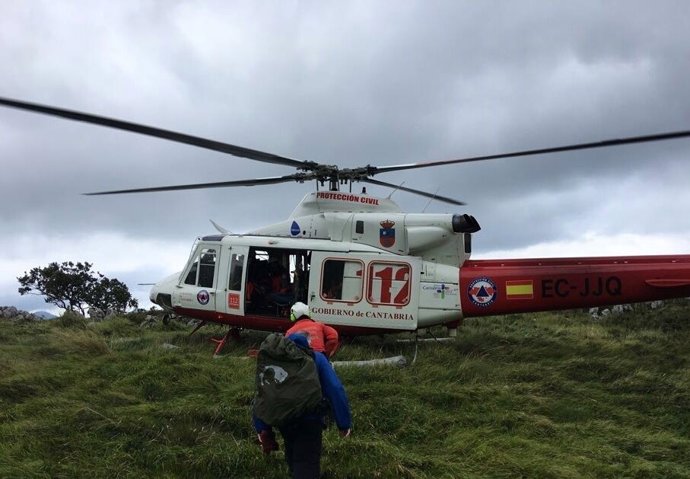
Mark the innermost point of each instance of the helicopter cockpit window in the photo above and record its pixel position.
(236, 270)
(207, 268)
(342, 280)
(191, 276)
(203, 269)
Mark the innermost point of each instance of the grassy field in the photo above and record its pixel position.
(547, 395)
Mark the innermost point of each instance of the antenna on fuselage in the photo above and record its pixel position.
(399, 186)
(430, 200)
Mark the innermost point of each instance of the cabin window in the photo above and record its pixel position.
(342, 280)
(236, 269)
(203, 269)
(389, 283)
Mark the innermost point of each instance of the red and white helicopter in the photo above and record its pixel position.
(364, 266)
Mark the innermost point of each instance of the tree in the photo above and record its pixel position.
(74, 287)
(111, 294)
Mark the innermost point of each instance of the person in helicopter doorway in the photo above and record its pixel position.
(303, 436)
(281, 291)
(321, 337)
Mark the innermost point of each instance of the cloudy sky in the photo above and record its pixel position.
(346, 83)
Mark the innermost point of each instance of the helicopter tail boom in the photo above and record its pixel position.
(490, 287)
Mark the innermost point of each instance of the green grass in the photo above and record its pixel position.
(547, 395)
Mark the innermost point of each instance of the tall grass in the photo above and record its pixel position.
(547, 395)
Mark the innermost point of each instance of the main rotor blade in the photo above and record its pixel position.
(416, 192)
(220, 184)
(374, 170)
(159, 133)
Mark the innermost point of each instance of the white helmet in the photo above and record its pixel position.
(298, 310)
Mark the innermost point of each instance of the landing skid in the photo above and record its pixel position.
(398, 361)
(417, 339)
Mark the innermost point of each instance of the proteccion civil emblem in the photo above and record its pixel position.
(482, 292)
(203, 297)
(387, 233)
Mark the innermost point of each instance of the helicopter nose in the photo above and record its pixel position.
(161, 293)
(153, 294)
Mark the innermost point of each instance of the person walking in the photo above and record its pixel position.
(321, 337)
(302, 435)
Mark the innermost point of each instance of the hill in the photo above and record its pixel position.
(547, 395)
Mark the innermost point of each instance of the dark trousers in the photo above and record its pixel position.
(303, 448)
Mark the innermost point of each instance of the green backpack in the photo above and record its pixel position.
(287, 381)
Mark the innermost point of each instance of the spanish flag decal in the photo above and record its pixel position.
(520, 289)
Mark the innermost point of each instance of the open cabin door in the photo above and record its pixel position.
(364, 290)
(232, 298)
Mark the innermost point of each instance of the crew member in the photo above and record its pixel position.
(281, 293)
(321, 337)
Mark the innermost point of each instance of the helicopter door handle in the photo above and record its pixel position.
(311, 298)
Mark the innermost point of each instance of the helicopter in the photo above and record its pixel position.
(366, 267)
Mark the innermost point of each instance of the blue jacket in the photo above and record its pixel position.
(331, 388)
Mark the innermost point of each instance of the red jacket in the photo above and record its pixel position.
(321, 337)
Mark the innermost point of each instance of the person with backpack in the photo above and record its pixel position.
(321, 337)
(295, 389)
